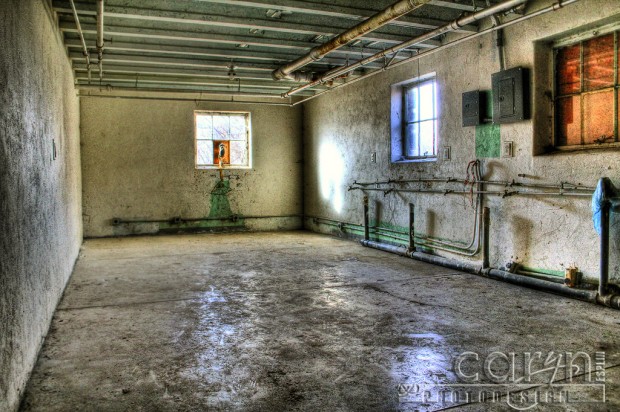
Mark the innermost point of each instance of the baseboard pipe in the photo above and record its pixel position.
(591, 296)
(424, 257)
(543, 285)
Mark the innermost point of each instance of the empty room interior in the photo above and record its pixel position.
(309, 205)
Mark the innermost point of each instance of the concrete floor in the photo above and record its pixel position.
(290, 321)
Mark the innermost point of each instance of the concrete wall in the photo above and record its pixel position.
(40, 197)
(138, 163)
(343, 128)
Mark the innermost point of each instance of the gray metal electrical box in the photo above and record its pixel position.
(473, 108)
(511, 95)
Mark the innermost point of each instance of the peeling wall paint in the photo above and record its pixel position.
(549, 233)
(138, 163)
(40, 195)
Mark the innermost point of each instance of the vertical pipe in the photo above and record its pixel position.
(411, 227)
(100, 41)
(486, 223)
(100, 9)
(366, 223)
(499, 43)
(81, 33)
(604, 264)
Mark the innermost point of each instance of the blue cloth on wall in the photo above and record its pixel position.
(605, 190)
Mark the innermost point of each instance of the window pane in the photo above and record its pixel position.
(221, 127)
(238, 152)
(411, 140)
(205, 152)
(598, 62)
(567, 70)
(568, 112)
(237, 128)
(427, 101)
(427, 138)
(598, 117)
(411, 105)
(204, 124)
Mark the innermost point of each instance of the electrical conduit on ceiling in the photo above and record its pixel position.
(554, 7)
(453, 26)
(380, 19)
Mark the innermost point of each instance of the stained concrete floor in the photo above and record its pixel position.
(294, 321)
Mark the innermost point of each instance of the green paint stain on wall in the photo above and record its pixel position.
(488, 141)
(220, 213)
(220, 206)
(488, 136)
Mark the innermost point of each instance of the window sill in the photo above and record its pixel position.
(420, 160)
(222, 168)
(580, 148)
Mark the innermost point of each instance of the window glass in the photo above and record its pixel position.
(586, 101)
(420, 120)
(222, 139)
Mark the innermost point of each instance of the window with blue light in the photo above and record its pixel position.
(414, 120)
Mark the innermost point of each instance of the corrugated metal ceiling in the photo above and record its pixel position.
(228, 46)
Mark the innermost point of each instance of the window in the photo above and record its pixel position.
(414, 120)
(586, 92)
(222, 140)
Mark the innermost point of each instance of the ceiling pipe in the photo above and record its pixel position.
(450, 27)
(100, 41)
(110, 88)
(81, 33)
(554, 7)
(396, 10)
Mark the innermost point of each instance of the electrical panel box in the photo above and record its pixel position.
(511, 95)
(473, 108)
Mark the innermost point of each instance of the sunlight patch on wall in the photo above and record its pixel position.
(331, 175)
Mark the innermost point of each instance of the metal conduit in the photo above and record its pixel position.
(182, 99)
(553, 7)
(180, 220)
(184, 91)
(426, 241)
(591, 296)
(603, 296)
(454, 25)
(484, 192)
(81, 33)
(393, 12)
(561, 186)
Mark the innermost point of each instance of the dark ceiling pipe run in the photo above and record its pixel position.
(554, 7)
(396, 10)
(450, 27)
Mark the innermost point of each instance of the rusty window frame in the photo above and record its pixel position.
(582, 93)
